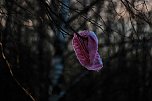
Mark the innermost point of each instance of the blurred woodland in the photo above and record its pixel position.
(37, 61)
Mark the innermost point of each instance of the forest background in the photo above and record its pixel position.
(37, 61)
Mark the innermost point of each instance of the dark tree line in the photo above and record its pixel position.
(37, 62)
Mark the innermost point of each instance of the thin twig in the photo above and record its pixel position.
(10, 70)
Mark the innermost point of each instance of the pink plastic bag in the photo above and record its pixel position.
(86, 50)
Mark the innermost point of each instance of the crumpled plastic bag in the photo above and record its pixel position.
(86, 50)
